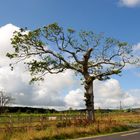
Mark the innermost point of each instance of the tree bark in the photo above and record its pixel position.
(89, 95)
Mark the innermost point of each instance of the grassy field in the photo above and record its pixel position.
(39, 127)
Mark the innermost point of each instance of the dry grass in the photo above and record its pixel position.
(105, 123)
(61, 133)
(53, 133)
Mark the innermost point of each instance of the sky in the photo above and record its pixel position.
(115, 18)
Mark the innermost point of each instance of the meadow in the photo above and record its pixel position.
(55, 126)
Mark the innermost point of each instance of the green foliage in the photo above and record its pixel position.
(54, 50)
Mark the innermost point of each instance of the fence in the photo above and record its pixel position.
(38, 122)
(16, 122)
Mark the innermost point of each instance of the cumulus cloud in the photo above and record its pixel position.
(75, 99)
(129, 3)
(6, 33)
(107, 94)
(15, 83)
(50, 92)
(110, 88)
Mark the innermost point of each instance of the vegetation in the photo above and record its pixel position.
(29, 110)
(71, 127)
(4, 101)
(51, 49)
(64, 133)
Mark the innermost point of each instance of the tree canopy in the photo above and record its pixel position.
(58, 50)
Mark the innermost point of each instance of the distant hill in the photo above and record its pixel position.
(9, 109)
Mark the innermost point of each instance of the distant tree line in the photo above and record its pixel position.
(27, 110)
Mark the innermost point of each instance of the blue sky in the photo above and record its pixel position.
(115, 18)
(99, 15)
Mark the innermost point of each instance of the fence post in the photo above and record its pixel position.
(41, 122)
(29, 123)
(98, 126)
(10, 125)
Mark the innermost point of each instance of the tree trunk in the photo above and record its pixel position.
(89, 100)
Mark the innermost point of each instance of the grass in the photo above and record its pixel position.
(68, 129)
(54, 133)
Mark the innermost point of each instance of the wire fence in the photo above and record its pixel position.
(12, 123)
(17, 122)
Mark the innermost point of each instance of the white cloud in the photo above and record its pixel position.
(75, 98)
(129, 3)
(6, 33)
(108, 94)
(48, 93)
(110, 88)
(129, 101)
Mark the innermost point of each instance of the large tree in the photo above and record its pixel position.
(51, 49)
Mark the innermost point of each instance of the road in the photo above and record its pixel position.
(131, 135)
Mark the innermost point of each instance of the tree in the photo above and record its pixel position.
(4, 100)
(52, 49)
